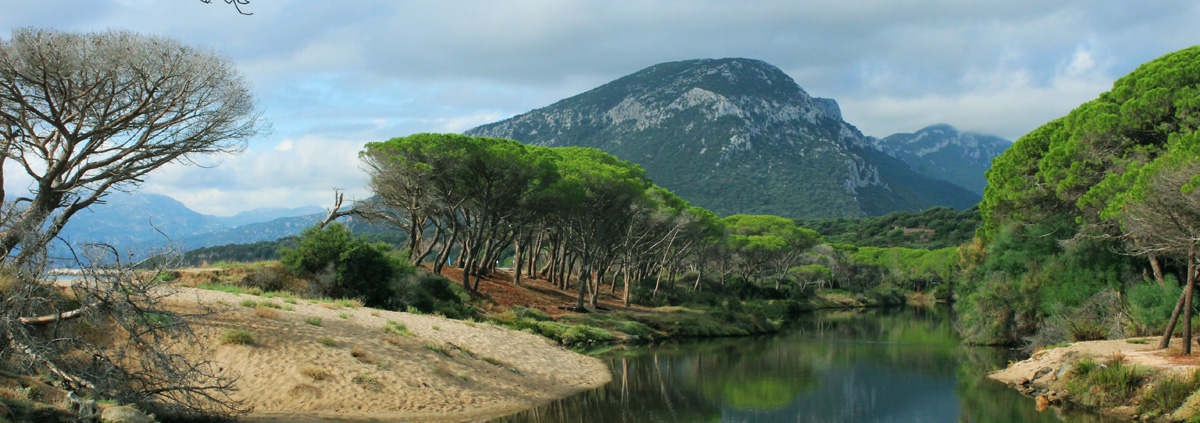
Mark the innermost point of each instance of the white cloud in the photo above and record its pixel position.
(1003, 102)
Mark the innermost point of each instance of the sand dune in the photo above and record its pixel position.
(447, 370)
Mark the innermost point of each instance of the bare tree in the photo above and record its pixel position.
(1165, 222)
(108, 334)
(84, 114)
(237, 4)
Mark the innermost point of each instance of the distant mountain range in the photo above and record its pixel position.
(941, 152)
(134, 222)
(739, 136)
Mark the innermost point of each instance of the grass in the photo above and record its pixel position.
(266, 312)
(361, 355)
(314, 373)
(237, 337)
(397, 328)
(1137, 341)
(439, 349)
(1108, 384)
(367, 382)
(442, 370)
(344, 316)
(249, 303)
(315, 321)
(1168, 394)
(436, 327)
(494, 361)
(327, 341)
(222, 287)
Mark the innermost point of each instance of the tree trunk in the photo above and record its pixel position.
(1187, 306)
(1166, 338)
(625, 299)
(1158, 273)
(518, 261)
(583, 283)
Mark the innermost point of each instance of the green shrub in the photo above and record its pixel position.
(237, 337)
(633, 328)
(1150, 304)
(581, 334)
(1108, 384)
(315, 321)
(361, 269)
(397, 328)
(1168, 394)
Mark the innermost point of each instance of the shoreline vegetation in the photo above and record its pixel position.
(1127, 379)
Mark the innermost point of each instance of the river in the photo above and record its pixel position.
(899, 365)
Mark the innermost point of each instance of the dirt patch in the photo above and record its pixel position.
(444, 371)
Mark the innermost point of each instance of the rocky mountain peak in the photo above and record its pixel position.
(732, 135)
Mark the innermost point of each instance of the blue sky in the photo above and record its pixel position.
(333, 75)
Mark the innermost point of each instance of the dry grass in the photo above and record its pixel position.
(237, 337)
(361, 355)
(266, 312)
(314, 373)
(367, 382)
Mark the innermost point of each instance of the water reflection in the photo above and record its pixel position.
(873, 366)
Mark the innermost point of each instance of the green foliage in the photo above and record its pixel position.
(315, 321)
(931, 229)
(1094, 176)
(1108, 384)
(361, 269)
(237, 337)
(1168, 393)
(1150, 304)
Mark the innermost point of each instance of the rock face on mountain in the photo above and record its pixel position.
(941, 152)
(735, 136)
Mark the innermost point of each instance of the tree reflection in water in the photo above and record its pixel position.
(872, 366)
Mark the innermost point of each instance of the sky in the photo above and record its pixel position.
(331, 76)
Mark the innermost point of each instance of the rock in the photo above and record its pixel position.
(125, 414)
(1042, 403)
(1022, 382)
(1042, 372)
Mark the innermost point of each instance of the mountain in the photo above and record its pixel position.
(268, 214)
(127, 219)
(254, 232)
(942, 152)
(133, 222)
(735, 136)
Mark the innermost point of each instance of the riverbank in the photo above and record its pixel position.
(317, 361)
(1123, 378)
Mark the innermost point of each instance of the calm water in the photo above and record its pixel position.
(873, 366)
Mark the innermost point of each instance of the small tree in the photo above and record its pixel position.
(360, 269)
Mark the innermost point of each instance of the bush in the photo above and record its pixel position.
(1150, 305)
(360, 269)
(237, 337)
(1108, 384)
(581, 334)
(887, 294)
(1168, 394)
(633, 328)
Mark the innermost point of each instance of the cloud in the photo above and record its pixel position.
(1003, 102)
(334, 75)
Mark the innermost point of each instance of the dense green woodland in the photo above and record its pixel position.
(1098, 203)
(933, 228)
